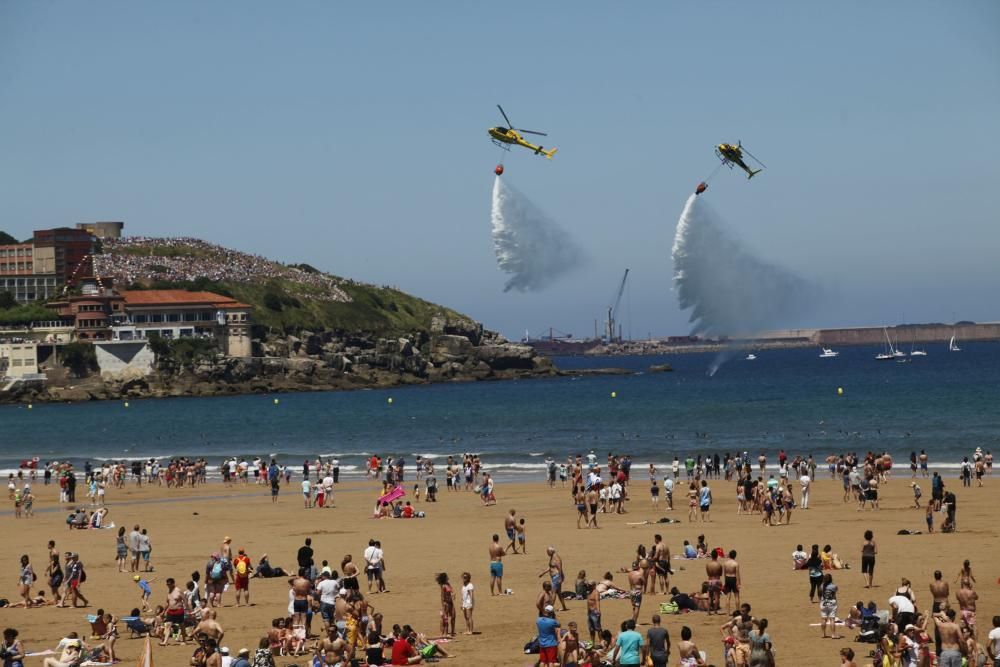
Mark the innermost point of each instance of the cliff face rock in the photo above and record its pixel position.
(454, 350)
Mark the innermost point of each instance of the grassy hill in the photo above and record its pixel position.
(286, 297)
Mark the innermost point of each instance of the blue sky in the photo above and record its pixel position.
(352, 137)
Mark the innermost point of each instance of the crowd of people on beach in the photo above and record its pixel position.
(333, 622)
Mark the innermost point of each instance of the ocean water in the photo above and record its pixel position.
(946, 403)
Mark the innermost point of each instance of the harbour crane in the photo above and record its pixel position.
(613, 310)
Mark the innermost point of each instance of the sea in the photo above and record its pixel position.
(947, 404)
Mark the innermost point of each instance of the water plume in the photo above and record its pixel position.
(529, 245)
(728, 289)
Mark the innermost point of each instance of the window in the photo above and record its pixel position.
(190, 317)
(173, 317)
(156, 317)
(140, 319)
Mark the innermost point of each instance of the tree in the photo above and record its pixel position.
(7, 239)
(79, 358)
(7, 299)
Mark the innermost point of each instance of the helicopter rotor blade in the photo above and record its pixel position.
(509, 124)
(541, 134)
(755, 158)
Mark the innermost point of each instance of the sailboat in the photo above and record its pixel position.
(914, 352)
(952, 346)
(889, 352)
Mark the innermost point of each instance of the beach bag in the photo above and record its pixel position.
(216, 572)
(669, 608)
(241, 568)
(83, 574)
(532, 647)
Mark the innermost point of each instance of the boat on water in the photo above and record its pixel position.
(918, 353)
(953, 346)
(890, 351)
(751, 357)
(828, 353)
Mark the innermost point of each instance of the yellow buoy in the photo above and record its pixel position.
(389, 400)
(126, 404)
(30, 406)
(840, 391)
(276, 401)
(614, 394)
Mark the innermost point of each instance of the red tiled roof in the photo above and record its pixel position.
(178, 297)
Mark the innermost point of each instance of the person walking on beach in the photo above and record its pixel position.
(496, 566)
(468, 603)
(509, 527)
(75, 576)
(242, 570)
(815, 566)
(656, 652)
(952, 646)
(868, 552)
(26, 580)
(713, 570)
(805, 481)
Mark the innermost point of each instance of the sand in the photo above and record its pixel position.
(186, 525)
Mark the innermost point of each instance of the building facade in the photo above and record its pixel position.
(102, 230)
(173, 314)
(18, 360)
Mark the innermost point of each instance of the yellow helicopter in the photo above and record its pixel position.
(504, 137)
(731, 155)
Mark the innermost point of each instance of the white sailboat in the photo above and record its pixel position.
(889, 352)
(953, 346)
(916, 352)
(828, 353)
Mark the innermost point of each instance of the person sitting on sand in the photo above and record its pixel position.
(799, 558)
(71, 648)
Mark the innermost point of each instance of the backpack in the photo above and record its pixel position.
(83, 574)
(216, 572)
(241, 568)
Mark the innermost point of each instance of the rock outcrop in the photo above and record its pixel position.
(454, 350)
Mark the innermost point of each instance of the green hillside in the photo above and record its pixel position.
(287, 297)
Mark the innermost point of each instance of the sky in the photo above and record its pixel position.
(352, 136)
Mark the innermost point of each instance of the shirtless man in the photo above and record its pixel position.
(689, 654)
(661, 564)
(332, 648)
(952, 646)
(967, 604)
(940, 592)
(496, 566)
(545, 597)
(713, 569)
(637, 582)
(174, 614)
(733, 580)
(594, 605)
(300, 600)
(509, 526)
(555, 572)
(226, 550)
(209, 627)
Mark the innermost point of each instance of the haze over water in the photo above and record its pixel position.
(945, 403)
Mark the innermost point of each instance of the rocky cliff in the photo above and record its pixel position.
(453, 350)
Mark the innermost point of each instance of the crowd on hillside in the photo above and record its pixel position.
(200, 260)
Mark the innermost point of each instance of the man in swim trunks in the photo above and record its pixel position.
(301, 588)
(555, 572)
(496, 566)
(967, 604)
(661, 564)
(713, 569)
(594, 605)
(173, 618)
(509, 528)
(637, 583)
(733, 580)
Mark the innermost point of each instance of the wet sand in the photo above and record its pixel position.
(187, 525)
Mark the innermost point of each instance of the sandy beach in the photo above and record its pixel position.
(187, 525)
